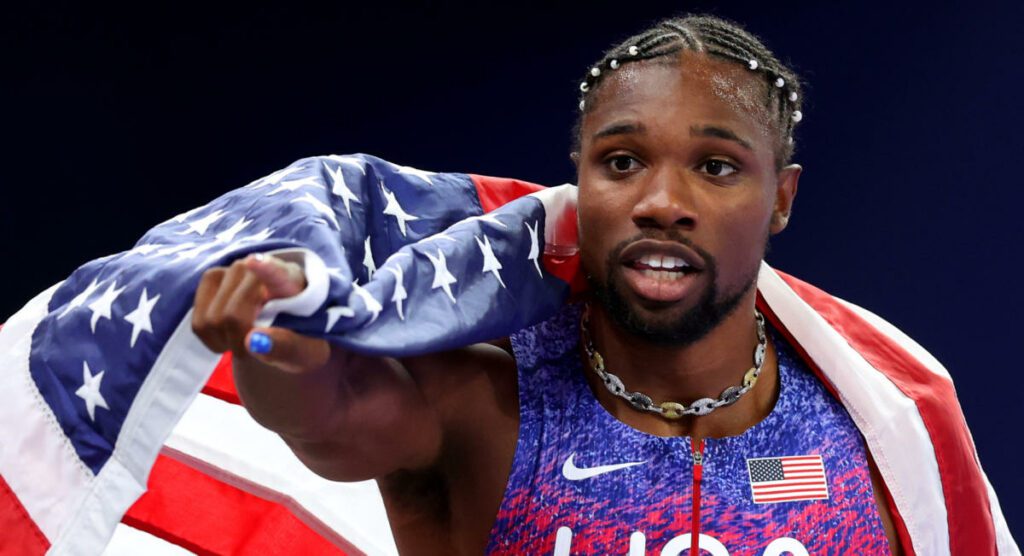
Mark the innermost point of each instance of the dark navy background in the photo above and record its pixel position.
(114, 120)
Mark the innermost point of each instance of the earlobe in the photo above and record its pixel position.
(785, 193)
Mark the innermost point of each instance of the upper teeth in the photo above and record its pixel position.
(662, 261)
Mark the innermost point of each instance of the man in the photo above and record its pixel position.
(662, 415)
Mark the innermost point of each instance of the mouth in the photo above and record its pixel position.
(661, 271)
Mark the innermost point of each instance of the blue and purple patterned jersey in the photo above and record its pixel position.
(584, 483)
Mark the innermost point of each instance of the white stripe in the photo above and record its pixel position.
(1004, 540)
(559, 203)
(36, 459)
(808, 491)
(891, 425)
(776, 488)
(306, 302)
(1005, 545)
(129, 541)
(224, 436)
(178, 373)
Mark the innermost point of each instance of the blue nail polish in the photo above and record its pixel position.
(260, 343)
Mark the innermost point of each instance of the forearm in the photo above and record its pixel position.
(355, 418)
(301, 405)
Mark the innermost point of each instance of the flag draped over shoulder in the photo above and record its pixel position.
(109, 391)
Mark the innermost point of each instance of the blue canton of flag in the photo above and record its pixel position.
(398, 261)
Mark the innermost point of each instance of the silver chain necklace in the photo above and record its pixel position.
(675, 410)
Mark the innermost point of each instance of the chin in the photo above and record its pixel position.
(678, 323)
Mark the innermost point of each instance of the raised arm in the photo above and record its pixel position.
(346, 416)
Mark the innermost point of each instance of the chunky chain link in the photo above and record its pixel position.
(675, 410)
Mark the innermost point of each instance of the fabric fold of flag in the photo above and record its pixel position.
(103, 365)
(102, 372)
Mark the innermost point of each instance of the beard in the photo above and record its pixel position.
(674, 330)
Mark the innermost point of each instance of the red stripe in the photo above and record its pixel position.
(495, 192)
(221, 384)
(795, 487)
(200, 513)
(787, 484)
(19, 535)
(894, 512)
(802, 490)
(791, 498)
(971, 529)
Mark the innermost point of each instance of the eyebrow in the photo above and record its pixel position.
(719, 133)
(620, 128)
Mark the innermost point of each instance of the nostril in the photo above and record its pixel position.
(645, 222)
(664, 222)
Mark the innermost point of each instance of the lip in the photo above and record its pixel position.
(657, 289)
(661, 287)
(638, 249)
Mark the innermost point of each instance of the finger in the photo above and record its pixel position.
(288, 350)
(281, 278)
(226, 326)
(205, 293)
(243, 305)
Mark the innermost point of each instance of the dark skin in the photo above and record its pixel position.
(438, 432)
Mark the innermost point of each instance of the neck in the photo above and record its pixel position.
(701, 369)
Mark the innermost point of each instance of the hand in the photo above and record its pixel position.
(228, 301)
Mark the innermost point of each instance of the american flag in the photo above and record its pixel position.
(107, 393)
(101, 372)
(787, 479)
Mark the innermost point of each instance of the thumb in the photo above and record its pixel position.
(280, 278)
(287, 350)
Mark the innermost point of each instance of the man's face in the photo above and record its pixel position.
(678, 194)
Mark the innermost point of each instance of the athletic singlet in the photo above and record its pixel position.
(584, 483)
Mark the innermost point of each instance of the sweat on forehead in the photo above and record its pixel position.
(714, 39)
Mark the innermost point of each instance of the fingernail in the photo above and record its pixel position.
(260, 343)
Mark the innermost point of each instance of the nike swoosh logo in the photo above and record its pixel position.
(573, 473)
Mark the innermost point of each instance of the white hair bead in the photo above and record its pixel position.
(792, 96)
(584, 87)
(582, 104)
(614, 64)
(753, 64)
(780, 82)
(797, 116)
(633, 51)
(595, 72)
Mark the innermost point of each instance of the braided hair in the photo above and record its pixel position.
(715, 37)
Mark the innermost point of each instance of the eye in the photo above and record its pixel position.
(719, 168)
(622, 164)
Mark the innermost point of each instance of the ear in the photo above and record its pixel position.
(787, 181)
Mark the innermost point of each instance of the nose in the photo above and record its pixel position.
(666, 201)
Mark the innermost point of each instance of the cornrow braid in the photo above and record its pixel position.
(715, 37)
